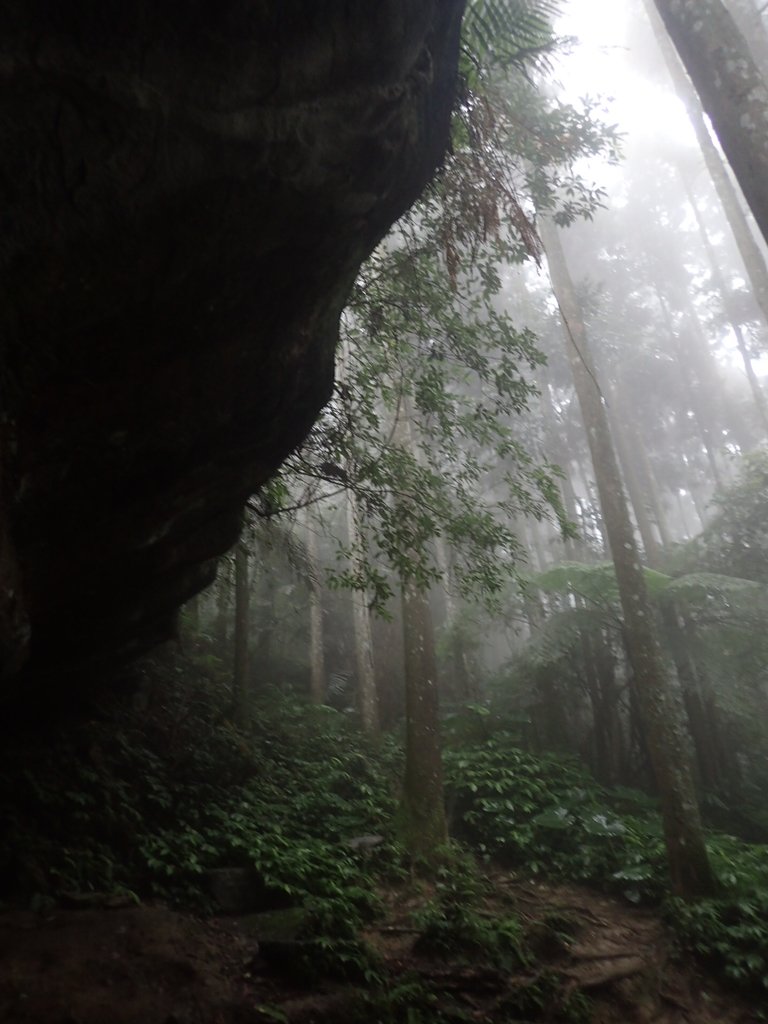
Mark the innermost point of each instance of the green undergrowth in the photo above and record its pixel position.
(454, 923)
(547, 816)
(152, 793)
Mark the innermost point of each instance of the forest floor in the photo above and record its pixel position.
(598, 960)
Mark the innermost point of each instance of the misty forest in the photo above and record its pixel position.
(384, 512)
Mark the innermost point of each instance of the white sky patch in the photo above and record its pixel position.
(602, 64)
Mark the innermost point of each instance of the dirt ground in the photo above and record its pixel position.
(149, 965)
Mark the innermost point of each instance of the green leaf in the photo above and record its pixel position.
(555, 818)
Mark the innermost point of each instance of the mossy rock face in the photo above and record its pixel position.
(210, 179)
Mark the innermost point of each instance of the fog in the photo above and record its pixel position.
(467, 715)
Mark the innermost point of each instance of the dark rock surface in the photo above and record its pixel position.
(187, 193)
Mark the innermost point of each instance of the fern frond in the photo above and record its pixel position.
(508, 32)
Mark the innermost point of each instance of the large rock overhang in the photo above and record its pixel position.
(189, 190)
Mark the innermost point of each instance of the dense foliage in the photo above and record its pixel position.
(146, 799)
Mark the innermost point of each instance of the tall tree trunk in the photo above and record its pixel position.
(730, 87)
(422, 810)
(575, 548)
(316, 630)
(240, 689)
(680, 351)
(261, 655)
(647, 478)
(727, 300)
(651, 547)
(367, 697)
(701, 414)
(422, 806)
(597, 514)
(552, 728)
(754, 262)
(662, 714)
(465, 686)
(687, 533)
(603, 696)
(536, 545)
(750, 23)
(367, 700)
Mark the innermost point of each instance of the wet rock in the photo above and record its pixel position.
(187, 194)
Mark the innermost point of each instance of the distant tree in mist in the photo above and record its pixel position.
(661, 714)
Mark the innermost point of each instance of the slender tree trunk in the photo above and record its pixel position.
(661, 711)
(261, 655)
(693, 403)
(367, 697)
(609, 707)
(367, 700)
(422, 806)
(316, 630)
(240, 690)
(687, 534)
(422, 810)
(730, 87)
(601, 686)
(574, 548)
(536, 545)
(597, 513)
(647, 478)
(651, 547)
(727, 300)
(464, 681)
(700, 417)
(754, 262)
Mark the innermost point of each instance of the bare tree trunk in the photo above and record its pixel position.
(574, 548)
(240, 694)
(367, 697)
(754, 262)
(730, 87)
(535, 544)
(693, 402)
(422, 807)
(647, 479)
(651, 547)
(719, 282)
(750, 23)
(367, 701)
(464, 682)
(316, 631)
(661, 711)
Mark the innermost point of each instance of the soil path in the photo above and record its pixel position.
(149, 965)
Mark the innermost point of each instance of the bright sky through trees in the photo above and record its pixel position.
(608, 60)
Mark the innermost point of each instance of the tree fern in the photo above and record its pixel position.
(594, 583)
(507, 33)
(561, 635)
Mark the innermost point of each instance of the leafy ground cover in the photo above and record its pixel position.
(140, 804)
